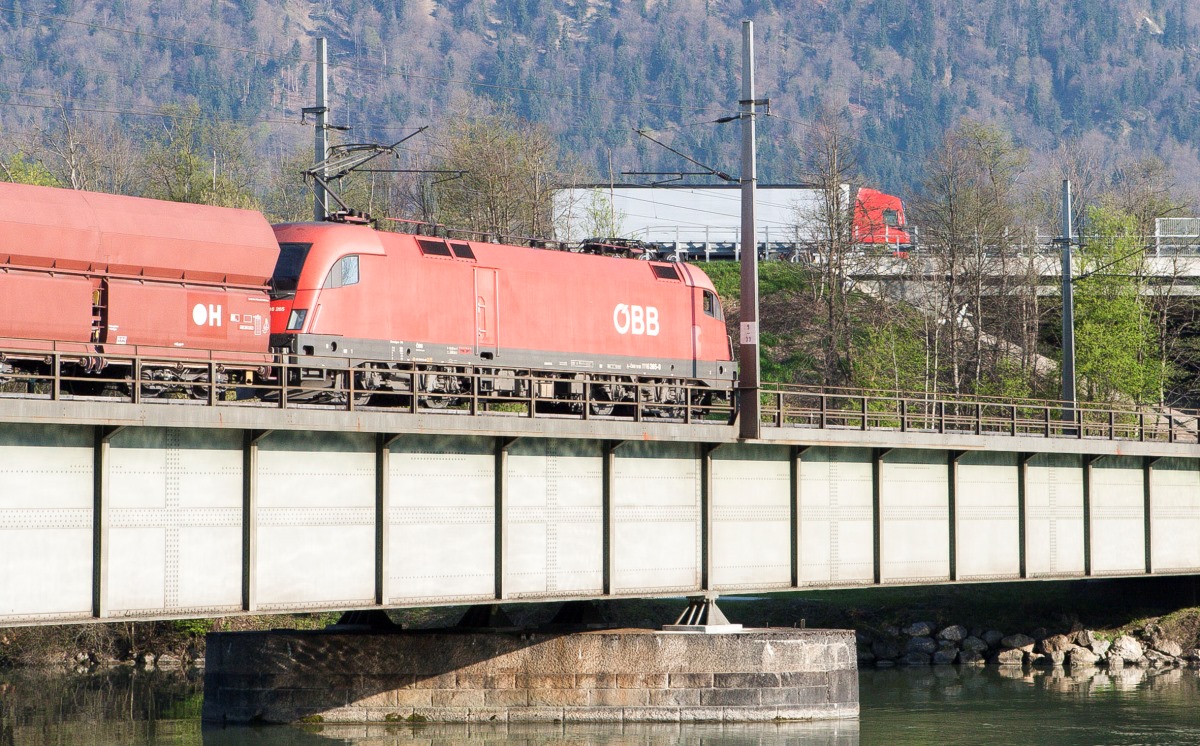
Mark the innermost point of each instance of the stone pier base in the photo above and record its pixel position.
(608, 676)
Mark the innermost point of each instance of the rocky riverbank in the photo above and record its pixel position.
(923, 644)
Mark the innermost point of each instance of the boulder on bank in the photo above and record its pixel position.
(1127, 648)
(1019, 642)
(945, 656)
(971, 657)
(1054, 644)
(923, 645)
(1011, 657)
(953, 633)
(1080, 657)
(1169, 647)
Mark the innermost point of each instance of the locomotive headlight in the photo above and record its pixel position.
(296, 320)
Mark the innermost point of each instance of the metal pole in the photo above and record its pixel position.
(748, 375)
(1068, 310)
(320, 144)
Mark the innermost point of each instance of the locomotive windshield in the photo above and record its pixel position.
(287, 269)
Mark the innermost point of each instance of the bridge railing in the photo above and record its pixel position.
(465, 390)
(331, 384)
(842, 409)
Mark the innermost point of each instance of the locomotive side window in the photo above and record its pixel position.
(891, 218)
(712, 306)
(287, 269)
(345, 272)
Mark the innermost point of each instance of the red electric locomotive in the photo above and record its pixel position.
(394, 301)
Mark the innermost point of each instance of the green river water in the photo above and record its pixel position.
(947, 705)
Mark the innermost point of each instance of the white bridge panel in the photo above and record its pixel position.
(1175, 515)
(555, 496)
(656, 518)
(914, 508)
(1054, 516)
(836, 536)
(175, 505)
(46, 499)
(752, 516)
(1118, 504)
(988, 531)
(442, 537)
(316, 520)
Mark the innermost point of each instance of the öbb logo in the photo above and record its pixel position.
(209, 315)
(635, 319)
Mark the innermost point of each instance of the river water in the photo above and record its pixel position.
(943, 705)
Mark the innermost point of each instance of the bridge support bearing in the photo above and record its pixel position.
(510, 677)
(702, 615)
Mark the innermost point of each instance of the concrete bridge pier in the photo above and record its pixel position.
(359, 674)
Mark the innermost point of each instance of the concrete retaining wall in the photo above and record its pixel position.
(610, 676)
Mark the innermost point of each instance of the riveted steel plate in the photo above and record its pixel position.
(315, 496)
(46, 501)
(835, 516)
(656, 518)
(752, 516)
(988, 531)
(1054, 515)
(914, 515)
(1118, 516)
(1175, 515)
(442, 535)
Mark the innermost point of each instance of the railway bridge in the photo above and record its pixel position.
(124, 506)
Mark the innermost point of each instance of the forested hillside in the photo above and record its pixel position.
(1117, 76)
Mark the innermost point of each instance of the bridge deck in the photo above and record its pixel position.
(122, 509)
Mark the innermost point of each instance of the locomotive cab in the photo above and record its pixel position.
(316, 263)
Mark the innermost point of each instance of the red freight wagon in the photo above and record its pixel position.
(349, 291)
(124, 275)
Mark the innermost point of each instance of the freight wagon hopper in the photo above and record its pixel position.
(444, 319)
(85, 274)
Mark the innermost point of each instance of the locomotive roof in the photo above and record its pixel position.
(71, 229)
(362, 239)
